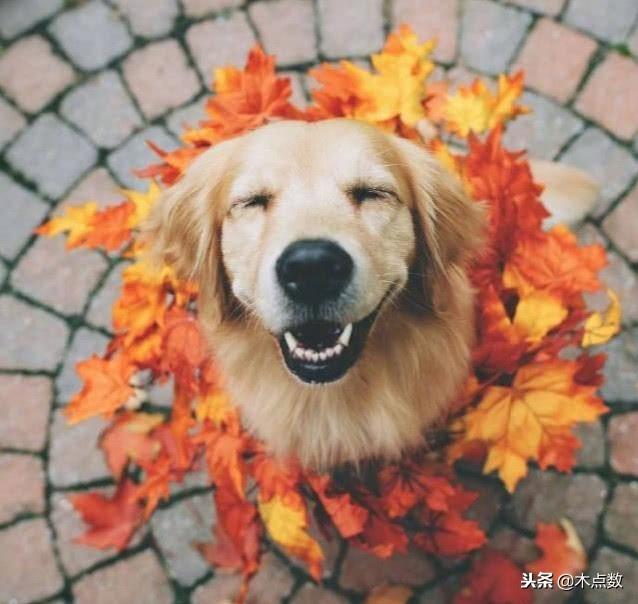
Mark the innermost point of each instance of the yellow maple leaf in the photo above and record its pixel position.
(214, 406)
(476, 109)
(76, 222)
(285, 518)
(537, 313)
(397, 88)
(143, 202)
(601, 327)
(516, 423)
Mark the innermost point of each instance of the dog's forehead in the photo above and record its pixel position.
(282, 153)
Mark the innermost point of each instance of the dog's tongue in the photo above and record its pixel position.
(317, 334)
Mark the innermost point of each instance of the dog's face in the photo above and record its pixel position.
(309, 231)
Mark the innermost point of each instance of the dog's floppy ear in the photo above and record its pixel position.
(449, 226)
(183, 229)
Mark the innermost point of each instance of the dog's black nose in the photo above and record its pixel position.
(314, 270)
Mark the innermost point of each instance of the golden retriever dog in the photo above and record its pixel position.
(331, 259)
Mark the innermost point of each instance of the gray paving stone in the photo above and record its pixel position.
(610, 20)
(60, 278)
(491, 34)
(74, 456)
(47, 75)
(219, 42)
(619, 276)
(139, 578)
(287, 29)
(22, 211)
(315, 594)
(92, 34)
(97, 186)
(84, 344)
(621, 368)
(176, 529)
(24, 547)
(362, 571)
(609, 561)
(548, 497)
(102, 108)
(135, 154)
(200, 8)
(149, 19)
(17, 16)
(621, 519)
(51, 154)
(621, 225)
(11, 122)
(592, 453)
(190, 116)
(160, 78)
(543, 132)
(21, 486)
(611, 165)
(345, 33)
(25, 402)
(30, 338)
(101, 307)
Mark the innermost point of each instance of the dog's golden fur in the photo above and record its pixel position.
(412, 254)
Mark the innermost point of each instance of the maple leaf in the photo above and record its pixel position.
(448, 533)
(381, 537)
(406, 484)
(106, 387)
(286, 519)
(110, 228)
(128, 439)
(476, 109)
(76, 222)
(142, 203)
(537, 313)
(601, 327)
(184, 347)
(348, 517)
(112, 521)
(493, 579)
(562, 550)
(557, 265)
(518, 422)
(504, 181)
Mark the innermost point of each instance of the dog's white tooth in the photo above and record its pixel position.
(291, 341)
(344, 338)
(298, 352)
(338, 349)
(308, 354)
(329, 352)
(315, 357)
(323, 355)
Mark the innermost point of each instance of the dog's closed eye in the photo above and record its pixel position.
(254, 200)
(361, 193)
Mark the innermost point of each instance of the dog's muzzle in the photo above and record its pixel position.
(314, 273)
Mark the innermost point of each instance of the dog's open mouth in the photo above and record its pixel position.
(321, 351)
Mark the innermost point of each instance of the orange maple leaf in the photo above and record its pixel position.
(128, 439)
(493, 579)
(106, 387)
(524, 421)
(113, 520)
(562, 550)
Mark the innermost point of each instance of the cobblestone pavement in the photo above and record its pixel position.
(84, 83)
